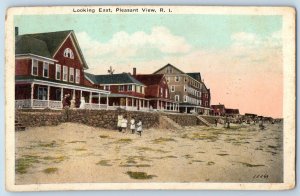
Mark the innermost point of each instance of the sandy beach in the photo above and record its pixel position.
(77, 153)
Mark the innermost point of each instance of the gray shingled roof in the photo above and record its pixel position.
(123, 78)
(195, 75)
(43, 44)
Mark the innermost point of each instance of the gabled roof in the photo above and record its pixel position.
(45, 44)
(167, 66)
(149, 79)
(195, 75)
(123, 78)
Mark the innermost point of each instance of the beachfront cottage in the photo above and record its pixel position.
(157, 91)
(232, 112)
(126, 92)
(218, 110)
(186, 89)
(47, 67)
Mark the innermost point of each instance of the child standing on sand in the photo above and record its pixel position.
(132, 125)
(139, 127)
(124, 124)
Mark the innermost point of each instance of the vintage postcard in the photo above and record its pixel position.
(150, 97)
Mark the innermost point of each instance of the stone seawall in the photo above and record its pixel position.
(99, 118)
(184, 119)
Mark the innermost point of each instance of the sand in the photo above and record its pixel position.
(77, 153)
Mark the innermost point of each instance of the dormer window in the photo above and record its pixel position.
(68, 53)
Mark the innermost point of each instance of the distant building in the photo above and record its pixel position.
(47, 67)
(232, 112)
(157, 91)
(186, 89)
(218, 110)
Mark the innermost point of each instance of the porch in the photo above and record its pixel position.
(44, 94)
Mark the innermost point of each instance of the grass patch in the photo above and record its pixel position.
(55, 159)
(103, 136)
(133, 159)
(124, 140)
(50, 170)
(138, 165)
(197, 161)
(139, 175)
(163, 140)
(77, 141)
(250, 165)
(211, 163)
(48, 145)
(80, 149)
(25, 163)
(104, 163)
(188, 156)
(151, 149)
(222, 154)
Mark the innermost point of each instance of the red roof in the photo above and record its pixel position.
(149, 79)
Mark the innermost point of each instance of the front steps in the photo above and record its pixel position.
(19, 126)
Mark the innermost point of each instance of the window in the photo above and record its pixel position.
(121, 88)
(68, 53)
(42, 93)
(133, 88)
(185, 79)
(177, 78)
(206, 103)
(138, 89)
(34, 70)
(45, 70)
(57, 94)
(77, 79)
(58, 72)
(177, 98)
(185, 98)
(169, 70)
(166, 93)
(129, 88)
(172, 88)
(168, 79)
(65, 73)
(106, 87)
(143, 89)
(71, 76)
(185, 89)
(161, 92)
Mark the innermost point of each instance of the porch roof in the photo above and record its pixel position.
(56, 83)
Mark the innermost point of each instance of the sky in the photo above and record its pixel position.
(239, 56)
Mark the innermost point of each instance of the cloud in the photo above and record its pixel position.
(122, 46)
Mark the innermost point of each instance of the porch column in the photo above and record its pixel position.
(48, 96)
(157, 103)
(107, 102)
(31, 95)
(80, 94)
(73, 94)
(99, 98)
(90, 98)
(61, 96)
(185, 109)
(126, 102)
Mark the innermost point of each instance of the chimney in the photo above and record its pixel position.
(16, 31)
(134, 71)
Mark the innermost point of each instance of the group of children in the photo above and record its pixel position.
(123, 122)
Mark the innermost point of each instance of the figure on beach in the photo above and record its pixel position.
(139, 127)
(119, 124)
(132, 125)
(216, 122)
(66, 101)
(82, 103)
(124, 124)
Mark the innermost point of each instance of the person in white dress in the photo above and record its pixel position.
(82, 103)
(139, 128)
(124, 124)
(119, 125)
(132, 125)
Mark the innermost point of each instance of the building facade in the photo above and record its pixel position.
(47, 67)
(157, 92)
(185, 89)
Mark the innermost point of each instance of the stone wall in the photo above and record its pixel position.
(99, 118)
(36, 118)
(184, 119)
(108, 118)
